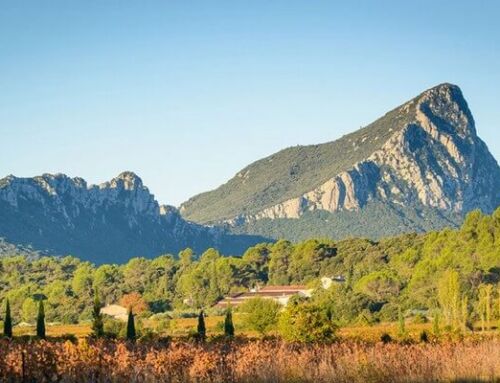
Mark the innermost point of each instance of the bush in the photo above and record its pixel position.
(424, 337)
(386, 338)
(306, 323)
(113, 328)
(261, 314)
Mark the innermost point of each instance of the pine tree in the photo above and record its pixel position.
(131, 335)
(40, 321)
(228, 324)
(97, 318)
(7, 323)
(202, 331)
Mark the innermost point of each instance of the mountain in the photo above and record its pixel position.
(111, 222)
(420, 167)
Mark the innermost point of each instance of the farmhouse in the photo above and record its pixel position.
(280, 294)
(115, 311)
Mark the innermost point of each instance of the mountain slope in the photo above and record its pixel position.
(423, 157)
(110, 222)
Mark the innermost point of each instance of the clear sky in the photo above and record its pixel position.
(186, 93)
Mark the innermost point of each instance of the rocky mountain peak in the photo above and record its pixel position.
(447, 109)
(126, 180)
(424, 155)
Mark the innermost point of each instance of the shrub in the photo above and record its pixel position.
(261, 314)
(424, 337)
(386, 338)
(306, 323)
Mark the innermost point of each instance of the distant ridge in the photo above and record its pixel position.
(111, 222)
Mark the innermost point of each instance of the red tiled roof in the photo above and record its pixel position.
(284, 288)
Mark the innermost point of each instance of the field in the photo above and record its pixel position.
(249, 361)
(179, 328)
(358, 355)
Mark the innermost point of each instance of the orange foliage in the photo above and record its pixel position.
(248, 361)
(135, 301)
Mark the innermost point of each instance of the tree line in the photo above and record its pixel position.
(451, 274)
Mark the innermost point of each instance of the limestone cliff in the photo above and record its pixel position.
(110, 222)
(425, 153)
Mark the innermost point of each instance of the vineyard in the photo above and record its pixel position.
(248, 361)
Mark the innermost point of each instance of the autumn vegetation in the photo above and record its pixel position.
(249, 361)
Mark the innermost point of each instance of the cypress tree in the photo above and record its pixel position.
(228, 324)
(97, 319)
(202, 331)
(7, 323)
(131, 335)
(40, 321)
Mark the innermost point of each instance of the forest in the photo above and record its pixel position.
(455, 273)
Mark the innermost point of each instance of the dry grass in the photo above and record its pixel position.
(182, 327)
(249, 361)
(78, 330)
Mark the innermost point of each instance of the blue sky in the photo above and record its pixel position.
(186, 93)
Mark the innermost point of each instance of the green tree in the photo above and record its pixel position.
(201, 329)
(379, 285)
(261, 314)
(228, 324)
(449, 297)
(306, 323)
(484, 305)
(29, 309)
(82, 280)
(131, 334)
(186, 257)
(97, 317)
(7, 322)
(279, 262)
(40, 321)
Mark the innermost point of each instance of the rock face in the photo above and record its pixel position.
(423, 155)
(110, 222)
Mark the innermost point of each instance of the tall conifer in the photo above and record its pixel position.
(40, 321)
(131, 335)
(7, 323)
(228, 324)
(202, 331)
(97, 319)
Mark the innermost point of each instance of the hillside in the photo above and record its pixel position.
(111, 222)
(421, 160)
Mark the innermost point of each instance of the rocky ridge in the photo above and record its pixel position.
(430, 157)
(108, 222)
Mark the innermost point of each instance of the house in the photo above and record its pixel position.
(280, 294)
(326, 282)
(116, 311)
